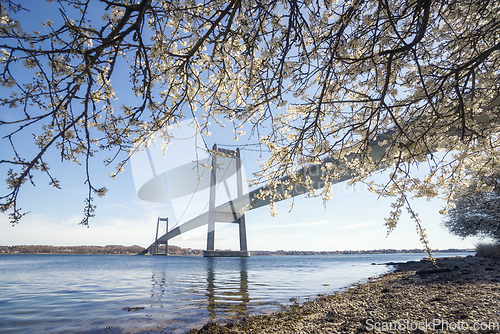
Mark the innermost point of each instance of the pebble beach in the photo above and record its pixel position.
(456, 295)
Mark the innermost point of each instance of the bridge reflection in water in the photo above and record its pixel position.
(219, 290)
(227, 292)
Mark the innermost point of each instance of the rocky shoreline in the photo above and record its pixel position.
(460, 295)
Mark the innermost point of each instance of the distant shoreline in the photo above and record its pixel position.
(174, 250)
(78, 250)
(351, 252)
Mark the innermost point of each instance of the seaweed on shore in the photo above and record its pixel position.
(133, 309)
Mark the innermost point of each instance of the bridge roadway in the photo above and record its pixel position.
(314, 172)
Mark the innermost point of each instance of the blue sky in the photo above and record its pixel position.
(353, 219)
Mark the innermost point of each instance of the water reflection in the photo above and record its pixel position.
(227, 290)
(221, 288)
(158, 289)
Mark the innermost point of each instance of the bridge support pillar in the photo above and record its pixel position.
(241, 220)
(235, 217)
(154, 249)
(211, 204)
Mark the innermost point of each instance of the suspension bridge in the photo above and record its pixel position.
(233, 210)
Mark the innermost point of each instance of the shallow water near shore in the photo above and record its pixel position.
(129, 294)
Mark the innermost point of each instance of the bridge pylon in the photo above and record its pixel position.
(225, 217)
(154, 250)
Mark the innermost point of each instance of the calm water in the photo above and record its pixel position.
(85, 293)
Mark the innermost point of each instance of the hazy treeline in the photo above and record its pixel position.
(346, 252)
(39, 249)
(176, 250)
